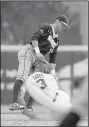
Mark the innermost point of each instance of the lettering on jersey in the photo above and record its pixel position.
(55, 97)
(38, 76)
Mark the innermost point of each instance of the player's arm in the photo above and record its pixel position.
(41, 31)
(37, 50)
(34, 38)
(34, 42)
(52, 60)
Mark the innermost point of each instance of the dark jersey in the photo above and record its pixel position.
(42, 36)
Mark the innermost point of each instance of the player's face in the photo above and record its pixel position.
(60, 27)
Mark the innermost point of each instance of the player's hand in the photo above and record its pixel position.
(47, 68)
(55, 77)
(28, 113)
(40, 56)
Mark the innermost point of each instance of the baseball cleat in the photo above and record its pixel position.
(16, 106)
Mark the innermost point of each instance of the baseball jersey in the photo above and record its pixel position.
(46, 82)
(47, 40)
(44, 90)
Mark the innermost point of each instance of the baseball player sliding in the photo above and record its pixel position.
(44, 89)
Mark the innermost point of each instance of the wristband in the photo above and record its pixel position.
(37, 49)
(53, 72)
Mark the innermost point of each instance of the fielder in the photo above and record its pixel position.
(43, 88)
(44, 40)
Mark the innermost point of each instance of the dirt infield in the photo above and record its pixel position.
(14, 118)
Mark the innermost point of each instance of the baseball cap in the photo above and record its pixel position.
(63, 19)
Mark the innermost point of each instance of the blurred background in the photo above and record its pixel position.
(20, 19)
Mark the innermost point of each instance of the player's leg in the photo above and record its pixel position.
(61, 105)
(17, 87)
(25, 58)
(21, 99)
(61, 102)
(30, 103)
(34, 68)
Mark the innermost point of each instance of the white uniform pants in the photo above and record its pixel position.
(26, 58)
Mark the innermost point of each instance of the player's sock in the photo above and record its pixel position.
(70, 120)
(16, 89)
(30, 103)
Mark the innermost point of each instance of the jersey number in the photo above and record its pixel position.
(42, 82)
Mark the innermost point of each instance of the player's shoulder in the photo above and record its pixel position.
(45, 26)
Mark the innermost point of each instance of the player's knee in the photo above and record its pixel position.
(25, 77)
(22, 77)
